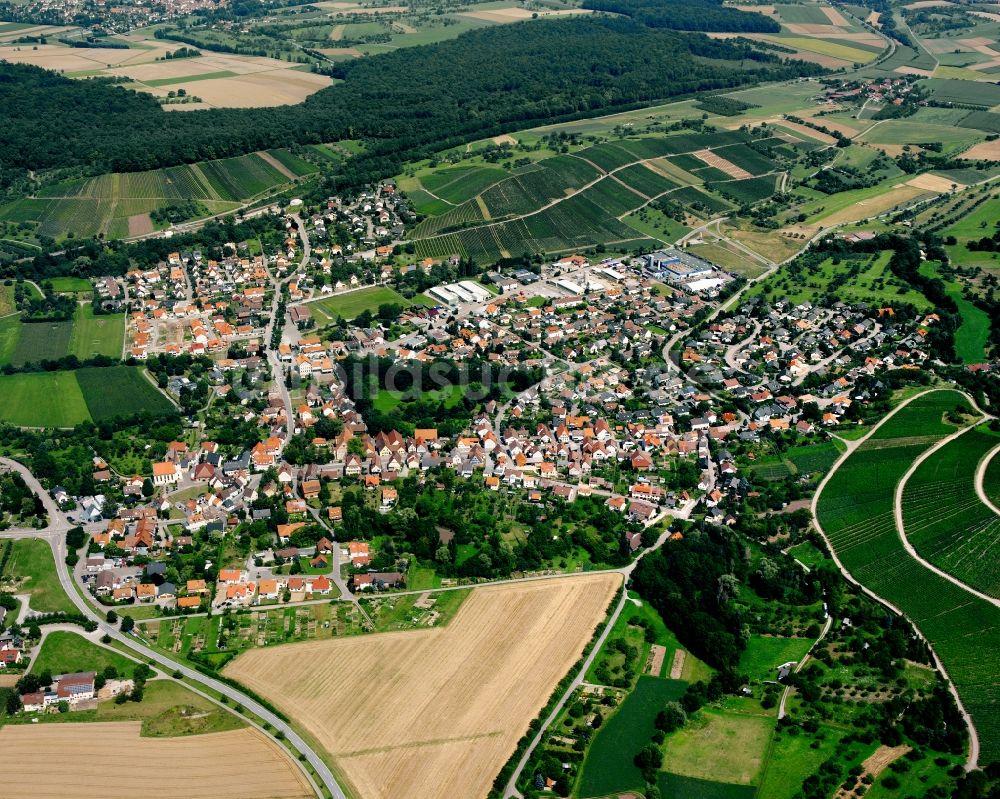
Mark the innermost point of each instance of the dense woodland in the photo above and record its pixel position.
(404, 102)
(688, 15)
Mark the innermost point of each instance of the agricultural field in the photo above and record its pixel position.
(460, 697)
(856, 511)
(237, 763)
(64, 399)
(31, 562)
(945, 520)
(609, 765)
(350, 304)
(211, 80)
(118, 205)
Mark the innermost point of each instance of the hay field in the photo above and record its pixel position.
(221, 80)
(52, 761)
(434, 714)
(873, 206)
(983, 151)
(934, 183)
(515, 14)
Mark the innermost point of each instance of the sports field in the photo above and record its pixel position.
(96, 335)
(241, 764)
(434, 713)
(349, 304)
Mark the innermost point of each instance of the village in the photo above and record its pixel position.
(546, 384)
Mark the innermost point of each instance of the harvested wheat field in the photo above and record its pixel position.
(718, 162)
(835, 17)
(242, 764)
(514, 14)
(983, 151)
(934, 183)
(434, 714)
(906, 70)
(874, 206)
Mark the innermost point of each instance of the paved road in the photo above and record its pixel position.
(511, 790)
(277, 370)
(798, 666)
(901, 527)
(973, 758)
(981, 476)
(55, 534)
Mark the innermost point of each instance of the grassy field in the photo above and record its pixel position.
(870, 282)
(692, 750)
(96, 335)
(64, 399)
(71, 285)
(32, 561)
(856, 512)
(676, 786)
(763, 655)
(944, 518)
(609, 767)
(973, 333)
(352, 303)
(42, 399)
(64, 652)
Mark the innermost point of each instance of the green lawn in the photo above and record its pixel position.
(871, 282)
(693, 751)
(42, 399)
(352, 303)
(792, 758)
(32, 559)
(96, 335)
(10, 330)
(763, 655)
(168, 709)
(63, 652)
(71, 285)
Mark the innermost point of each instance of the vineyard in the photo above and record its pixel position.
(564, 203)
(89, 206)
(856, 511)
(945, 520)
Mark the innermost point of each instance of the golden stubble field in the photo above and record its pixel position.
(54, 761)
(434, 714)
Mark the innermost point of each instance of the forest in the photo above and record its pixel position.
(408, 102)
(688, 15)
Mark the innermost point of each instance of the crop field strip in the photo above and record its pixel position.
(238, 763)
(856, 510)
(945, 520)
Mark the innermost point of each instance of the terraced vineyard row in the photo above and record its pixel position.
(945, 520)
(856, 511)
